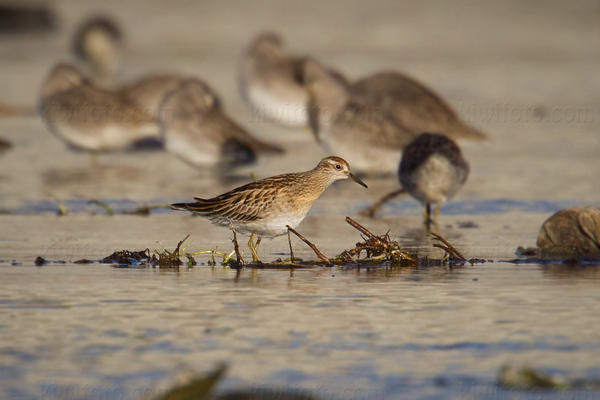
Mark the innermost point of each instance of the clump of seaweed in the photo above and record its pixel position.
(128, 257)
(172, 259)
(373, 250)
(163, 258)
(376, 248)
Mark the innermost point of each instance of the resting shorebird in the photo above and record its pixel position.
(89, 117)
(267, 207)
(413, 105)
(195, 128)
(147, 93)
(432, 170)
(370, 122)
(97, 43)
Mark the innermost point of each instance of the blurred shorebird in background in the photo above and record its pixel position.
(196, 129)
(432, 170)
(97, 44)
(89, 117)
(148, 92)
(413, 105)
(267, 207)
(372, 120)
(270, 81)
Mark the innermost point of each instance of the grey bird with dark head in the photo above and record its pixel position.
(267, 207)
(432, 170)
(195, 128)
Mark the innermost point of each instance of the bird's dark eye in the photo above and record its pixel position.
(338, 166)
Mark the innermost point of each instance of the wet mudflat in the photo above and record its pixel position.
(95, 331)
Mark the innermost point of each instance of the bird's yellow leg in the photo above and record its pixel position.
(252, 248)
(257, 243)
(436, 212)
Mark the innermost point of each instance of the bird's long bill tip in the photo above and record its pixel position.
(358, 180)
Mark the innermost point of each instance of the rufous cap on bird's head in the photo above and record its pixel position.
(337, 168)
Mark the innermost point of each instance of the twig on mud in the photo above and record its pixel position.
(312, 246)
(447, 247)
(236, 247)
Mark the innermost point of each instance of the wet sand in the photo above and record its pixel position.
(524, 73)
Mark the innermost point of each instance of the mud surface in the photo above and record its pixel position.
(524, 73)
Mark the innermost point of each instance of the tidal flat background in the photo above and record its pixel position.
(524, 72)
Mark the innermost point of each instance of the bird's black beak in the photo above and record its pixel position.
(357, 180)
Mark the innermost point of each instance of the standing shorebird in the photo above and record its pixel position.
(374, 119)
(267, 207)
(195, 128)
(432, 170)
(89, 117)
(97, 43)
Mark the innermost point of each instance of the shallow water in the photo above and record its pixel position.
(100, 332)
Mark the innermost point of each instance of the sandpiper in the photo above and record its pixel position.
(432, 170)
(195, 128)
(89, 117)
(97, 43)
(148, 92)
(413, 105)
(350, 126)
(267, 207)
(370, 122)
(270, 81)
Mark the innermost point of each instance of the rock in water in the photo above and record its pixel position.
(571, 232)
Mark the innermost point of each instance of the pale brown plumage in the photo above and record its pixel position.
(97, 44)
(371, 121)
(89, 117)
(195, 128)
(267, 206)
(270, 81)
(148, 92)
(412, 105)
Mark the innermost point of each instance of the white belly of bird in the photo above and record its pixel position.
(271, 227)
(436, 181)
(180, 145)
(288, 111)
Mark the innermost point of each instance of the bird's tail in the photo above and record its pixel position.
(464, 131)
(200, 205)
(180, 206)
